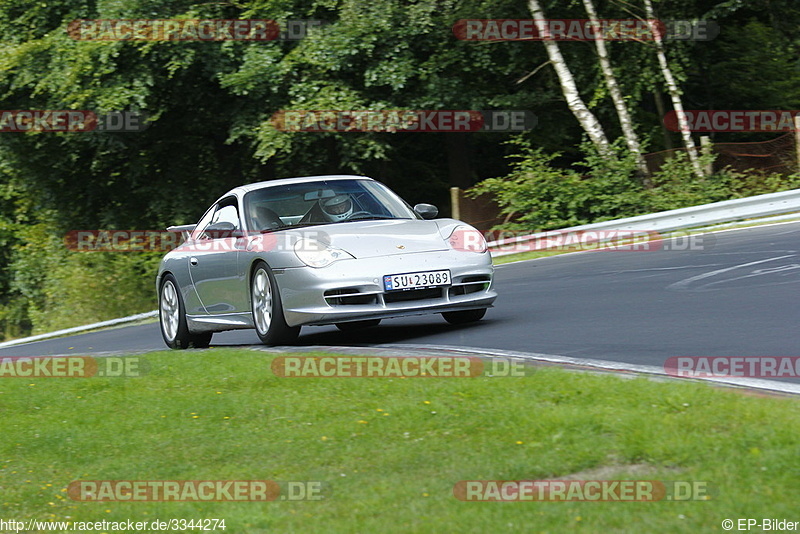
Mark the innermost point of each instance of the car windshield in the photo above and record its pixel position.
(322, 202)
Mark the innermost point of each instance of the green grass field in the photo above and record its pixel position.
(389, 451)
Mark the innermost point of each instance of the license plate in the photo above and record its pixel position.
(423, 279)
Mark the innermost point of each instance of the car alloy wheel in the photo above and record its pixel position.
(170, 311)
(262, 301)
(268, 318)
(172, 317)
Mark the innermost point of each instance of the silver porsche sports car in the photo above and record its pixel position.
(342, 250)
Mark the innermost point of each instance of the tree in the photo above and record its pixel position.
(586, 118)
(625, 120)
(674, 91)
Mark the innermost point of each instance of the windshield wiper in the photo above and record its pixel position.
(292, 226)
(370, 218)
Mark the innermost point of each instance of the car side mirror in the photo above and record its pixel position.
(220, 230)
(426, 211)
(221, 226)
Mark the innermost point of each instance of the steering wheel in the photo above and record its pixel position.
(352, 215)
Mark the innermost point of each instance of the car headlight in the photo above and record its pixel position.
(316, 254)
(467, 239)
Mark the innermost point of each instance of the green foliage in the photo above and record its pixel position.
(537, 195)
(676, 185)
(759, 183)
(87, 287)
(614, 188)
(756, 67)
(53, 288)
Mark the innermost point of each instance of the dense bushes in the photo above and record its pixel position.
(537, 195)
(50, 287)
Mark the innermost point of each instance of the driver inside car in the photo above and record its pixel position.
(338, 208)
(332, 209)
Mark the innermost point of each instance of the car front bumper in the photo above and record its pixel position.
(352, 290)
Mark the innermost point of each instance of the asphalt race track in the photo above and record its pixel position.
(738, 296)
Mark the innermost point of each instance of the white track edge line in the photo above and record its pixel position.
(606, 365)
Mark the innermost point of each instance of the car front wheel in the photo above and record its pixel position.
(268, 318)
(172, 317)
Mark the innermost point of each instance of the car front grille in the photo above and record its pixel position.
(470, 284)
(370, 295)
(350, 296)
(412, 294)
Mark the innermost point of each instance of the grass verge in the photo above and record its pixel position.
(391, 450)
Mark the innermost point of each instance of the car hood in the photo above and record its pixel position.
(369, 239)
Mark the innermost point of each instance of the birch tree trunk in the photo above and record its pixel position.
(586, 118)
(625, 121)
(674, 92)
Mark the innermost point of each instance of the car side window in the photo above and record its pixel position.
(224, 212)
(227, 213)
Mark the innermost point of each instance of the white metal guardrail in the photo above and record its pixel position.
(667, 221)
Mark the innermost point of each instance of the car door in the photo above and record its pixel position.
(214, 265)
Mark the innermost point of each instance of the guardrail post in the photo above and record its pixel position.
(797, 139)
(705, 149)
(455, 202)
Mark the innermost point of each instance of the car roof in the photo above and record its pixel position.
(242, 189)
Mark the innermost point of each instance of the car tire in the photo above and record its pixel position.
(172, 318)
(357, 325)
(265, 303)
(463, 317)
